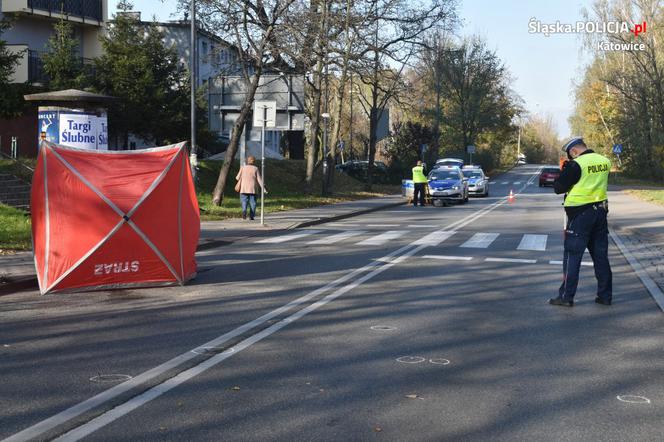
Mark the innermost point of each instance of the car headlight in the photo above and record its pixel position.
(456, 187)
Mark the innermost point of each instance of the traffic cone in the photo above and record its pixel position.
(510, 199)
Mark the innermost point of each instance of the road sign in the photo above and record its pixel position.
(341, 145)
(270, 117)
(617, 148)
(423, 148)
(470, 148)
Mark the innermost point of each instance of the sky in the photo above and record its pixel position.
(544, 69)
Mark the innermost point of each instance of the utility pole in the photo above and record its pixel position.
(263, 165)
(193, 157)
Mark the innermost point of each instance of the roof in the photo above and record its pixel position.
(70, 95)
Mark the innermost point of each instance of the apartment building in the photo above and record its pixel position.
(33, 26)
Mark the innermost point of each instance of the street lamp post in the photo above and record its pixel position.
(193, 157)
(326, 118)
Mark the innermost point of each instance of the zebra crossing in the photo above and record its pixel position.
(461, 239)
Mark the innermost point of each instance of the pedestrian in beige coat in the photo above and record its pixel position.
(248, 180)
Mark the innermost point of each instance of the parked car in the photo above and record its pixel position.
(478, 183)
(449, 162)
(359, 170)
(548, 176)
(447, 184)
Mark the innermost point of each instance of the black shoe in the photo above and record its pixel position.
(561, 301)
(599, 300)
(244, 216)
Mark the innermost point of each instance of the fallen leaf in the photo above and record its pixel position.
(411, 396)
(236, 388)
(378, 429)
(179, 403)
(162, 428)
(322, 389)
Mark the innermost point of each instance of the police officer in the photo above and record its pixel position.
(584, 179)
(419, 181)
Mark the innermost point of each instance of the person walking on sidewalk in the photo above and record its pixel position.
(419, 183)
(584, 179)
(247, 179)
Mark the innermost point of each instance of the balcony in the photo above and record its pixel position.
(37, 74)
(84, 11)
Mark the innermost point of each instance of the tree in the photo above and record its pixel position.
(152, 89)
(254, 27)
(405, 145)
(62, 63)
(10, 100)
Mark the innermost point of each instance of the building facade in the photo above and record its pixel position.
(33, 25)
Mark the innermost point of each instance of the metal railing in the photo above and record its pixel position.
(80, 8)
(37, 74)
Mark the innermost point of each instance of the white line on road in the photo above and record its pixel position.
(480, 240)
(505, 182)
(383, 225)
(434, 238)
(448, 257)
(533, 242)
(524, 261)
(337, 238)
(559, 263)
(153, 393)
(421, 226)
(647, 281)
(289, 237)
(382, 238)
(516, 183)
(77, 410)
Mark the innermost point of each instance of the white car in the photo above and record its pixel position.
(478, 183)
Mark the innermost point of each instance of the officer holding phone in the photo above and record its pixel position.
(584, 180)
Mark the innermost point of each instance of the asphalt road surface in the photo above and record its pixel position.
(407, 324)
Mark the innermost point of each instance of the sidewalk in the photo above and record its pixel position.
(639, 225)
(17, 271)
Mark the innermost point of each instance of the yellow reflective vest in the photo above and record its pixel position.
(593, 183)
(418, 175)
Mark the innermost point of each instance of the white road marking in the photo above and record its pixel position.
(434, 238)
(533, 242)
(382, 238)
(448, 257)
(158, 390)
(338, 237)
(584, 263)
(516, 183)
(383, 225)
(505, 182)
(647, 281)
(342, 225)
(524, 261)
(421, 226)
(480, 240)
(288, 237)
(82, 407)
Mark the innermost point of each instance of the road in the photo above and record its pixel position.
(409, 324)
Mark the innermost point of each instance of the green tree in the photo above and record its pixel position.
(405, 146)
(62, 62)
(10, 96)
(151, 87)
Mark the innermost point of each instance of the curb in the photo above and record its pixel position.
(29, 282)
(346, 215)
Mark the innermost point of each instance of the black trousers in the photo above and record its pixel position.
(419, 190)
(589, 230)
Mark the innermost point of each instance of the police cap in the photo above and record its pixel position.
(574, 141)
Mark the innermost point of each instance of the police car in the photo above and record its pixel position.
(447, 184)
(478, 183)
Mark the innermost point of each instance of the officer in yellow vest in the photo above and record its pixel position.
(584, 179)
(419, 181)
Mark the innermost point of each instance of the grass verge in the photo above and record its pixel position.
(285, 184)
(14, 229)
(651, 196)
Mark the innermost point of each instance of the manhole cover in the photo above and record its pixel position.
(411, 359)
(212, 350)
(383, 328)
(631, 399)
(110, 378)
(439, 361)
